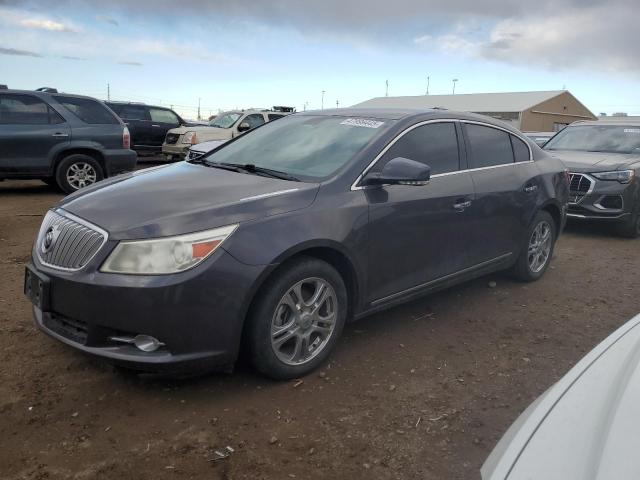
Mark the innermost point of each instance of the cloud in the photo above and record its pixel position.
(108, 19)
(14, 51)
(46, 24)
(130, 63)
(69, 57)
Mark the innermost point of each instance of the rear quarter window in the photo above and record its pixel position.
(520, 150)
(88, 110)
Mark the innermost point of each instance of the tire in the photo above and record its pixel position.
(77, 171)
(631, 229)
(531, 267)
(280, 353)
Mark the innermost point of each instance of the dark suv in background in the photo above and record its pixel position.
(70, 141)
(148, 124)
(603, 158)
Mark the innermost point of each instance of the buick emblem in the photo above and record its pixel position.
(50, 237)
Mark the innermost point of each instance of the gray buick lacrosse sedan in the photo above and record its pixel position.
(275, 239)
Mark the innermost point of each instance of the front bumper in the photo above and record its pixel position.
(178, 150)
(197, 314)
(119, 161)
(605, 200)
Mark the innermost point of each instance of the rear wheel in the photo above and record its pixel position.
(77, 171)
(297, 320)
(537, 249)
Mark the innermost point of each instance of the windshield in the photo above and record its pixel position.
(307, 147)
(597, 138)
(225, 120)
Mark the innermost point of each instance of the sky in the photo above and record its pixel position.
(258, 53)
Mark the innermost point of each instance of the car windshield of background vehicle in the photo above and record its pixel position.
(307, 147)
(597, 138)
(225, 121)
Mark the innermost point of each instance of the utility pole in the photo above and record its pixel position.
(108, 92)
(322, 102)
(428, 80)
(337, 104)
(306, 104)
(386, 92)
(199, 117)
(455, 80)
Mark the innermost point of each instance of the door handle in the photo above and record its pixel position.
(155, 125)
(60, 135)
(530, 188)
(461, 206)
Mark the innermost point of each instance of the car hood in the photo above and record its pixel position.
(585, 426)
(211, 133)
(182, 198)
(594, 161)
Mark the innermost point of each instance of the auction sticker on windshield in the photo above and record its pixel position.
(362, 122)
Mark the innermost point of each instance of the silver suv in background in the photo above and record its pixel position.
(224, 127)
(66, 140)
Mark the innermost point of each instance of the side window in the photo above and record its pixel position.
(161, 115)
(254, 120)
(274, 116)
(134, 112)
(489, 146)
(88, 110)
(26, 110)
(520, 150)
(434, 144)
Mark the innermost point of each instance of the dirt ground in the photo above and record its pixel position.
(421, 391)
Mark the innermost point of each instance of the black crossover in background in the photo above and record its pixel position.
(67, 140)
(148, 124)
(603, 158)
(276, 238)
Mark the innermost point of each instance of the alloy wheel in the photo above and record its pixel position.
(304, 321)
(540, 245)
(81, 174)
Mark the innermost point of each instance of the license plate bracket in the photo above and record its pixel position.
(36, 288)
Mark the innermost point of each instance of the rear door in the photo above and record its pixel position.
(138, 121)
(506, 183)
(162, 120)
(418, 234)
(29, 130)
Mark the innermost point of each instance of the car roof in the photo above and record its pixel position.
(47, 94)
(408, 114)
(609, 121)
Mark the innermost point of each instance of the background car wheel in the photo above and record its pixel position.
(297, 319)
(537, 249)
(631, 229)
(78, 171)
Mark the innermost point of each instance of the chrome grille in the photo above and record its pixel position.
(71, 243)
(580, 185)
(171, 138)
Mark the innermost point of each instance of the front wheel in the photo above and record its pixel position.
(537, 249)
(631, 228)
(297, 320)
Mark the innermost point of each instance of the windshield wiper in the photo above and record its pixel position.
(268, 172)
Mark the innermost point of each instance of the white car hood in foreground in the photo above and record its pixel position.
(585, 427)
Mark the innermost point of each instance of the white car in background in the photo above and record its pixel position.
(586, 426)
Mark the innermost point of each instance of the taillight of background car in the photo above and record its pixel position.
(126, 138)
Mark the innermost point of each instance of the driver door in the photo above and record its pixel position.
(418, 234)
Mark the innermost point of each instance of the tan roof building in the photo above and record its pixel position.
(528, 111)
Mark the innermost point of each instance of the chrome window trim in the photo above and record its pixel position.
(70, 216)
(355, 186)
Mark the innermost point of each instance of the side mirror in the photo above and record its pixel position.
(400, 171)
(243, 127)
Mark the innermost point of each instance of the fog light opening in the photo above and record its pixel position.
(145, 343)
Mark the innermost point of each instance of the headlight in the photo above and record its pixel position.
(165, 255)
(622, 176)
(190, 137)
